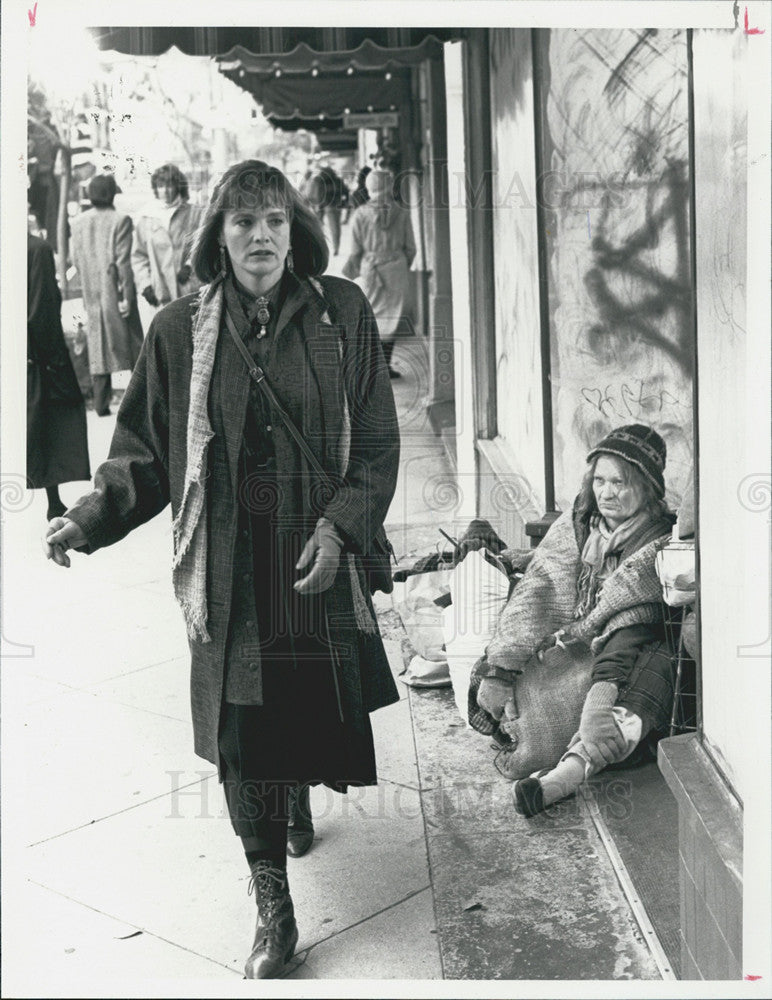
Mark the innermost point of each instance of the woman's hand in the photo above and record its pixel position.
(323, 547)
(494, 695)
(62, 534)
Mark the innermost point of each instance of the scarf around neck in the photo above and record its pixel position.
(602, 554)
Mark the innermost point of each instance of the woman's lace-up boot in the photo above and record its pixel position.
(276, 934)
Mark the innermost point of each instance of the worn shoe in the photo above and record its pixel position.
(528, 796)
(300, 835)
(276, 934)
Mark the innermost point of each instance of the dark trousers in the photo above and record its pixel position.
(103, 390)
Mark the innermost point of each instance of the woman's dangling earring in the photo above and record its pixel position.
(290, 260)
(223, 260)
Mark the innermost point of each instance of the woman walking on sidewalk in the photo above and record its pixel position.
(57, 446)
(382, 250)
(101, 251)
(287, 661)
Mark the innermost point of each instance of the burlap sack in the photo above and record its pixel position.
(549, 696)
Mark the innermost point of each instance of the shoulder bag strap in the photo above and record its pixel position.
(258, 376)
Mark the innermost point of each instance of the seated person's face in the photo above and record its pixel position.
(616, 496)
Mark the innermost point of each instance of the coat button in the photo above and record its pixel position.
(268, 427)
(250, 624)
(253, 666)
(246, 577)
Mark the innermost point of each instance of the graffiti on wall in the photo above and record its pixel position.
(618, 240)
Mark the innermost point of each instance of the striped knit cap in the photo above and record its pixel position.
(639, 445)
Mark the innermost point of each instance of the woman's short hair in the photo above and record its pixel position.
(102, 190)
(254, 184)
(170, 176)
(586, 505)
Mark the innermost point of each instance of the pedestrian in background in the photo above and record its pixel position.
(57, 447)
(101, 250)
(382, 250)
(163, 238)
(287, 660)
(328, 195)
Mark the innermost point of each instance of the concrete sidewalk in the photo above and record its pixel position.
(120, 865)
(122, 876)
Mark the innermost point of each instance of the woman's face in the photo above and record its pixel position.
(166, 191)
(257, 241)
(616, 495)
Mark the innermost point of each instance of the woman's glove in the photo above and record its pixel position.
(598, 730)
(323, 547)
(62, 534)
(494, 695)
(149, 296)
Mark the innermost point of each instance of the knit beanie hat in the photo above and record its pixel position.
(642, 447)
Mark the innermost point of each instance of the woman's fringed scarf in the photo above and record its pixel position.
(189, 526)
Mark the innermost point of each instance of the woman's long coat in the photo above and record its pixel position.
(101, 251)
(162, 246)
(146, 470)
(382, 250)
(57, 446)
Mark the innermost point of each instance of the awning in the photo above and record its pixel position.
(304, 60)
(301, 75)
(276, 41)
(306, 97)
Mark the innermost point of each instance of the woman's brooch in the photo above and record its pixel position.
(263, 316)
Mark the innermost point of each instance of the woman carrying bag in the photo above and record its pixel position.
(269, 565)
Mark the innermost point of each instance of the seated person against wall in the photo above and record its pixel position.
(580, 646)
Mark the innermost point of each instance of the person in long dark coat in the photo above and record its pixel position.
(287, 660)
(101, 251)
(57, 446)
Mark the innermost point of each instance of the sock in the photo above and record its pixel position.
(275, 856)
(563, 779)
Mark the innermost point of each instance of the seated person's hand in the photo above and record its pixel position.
(598, 729)
(184, 273)
(493, 696)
